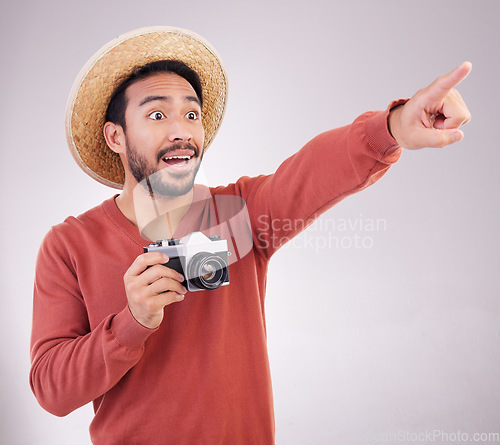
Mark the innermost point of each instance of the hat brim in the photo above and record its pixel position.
(113, 63)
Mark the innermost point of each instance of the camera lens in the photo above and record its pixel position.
(207, 270)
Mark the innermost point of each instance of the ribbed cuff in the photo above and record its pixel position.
(128, 332)
(377, 131)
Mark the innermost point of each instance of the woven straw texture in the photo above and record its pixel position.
(92, 90)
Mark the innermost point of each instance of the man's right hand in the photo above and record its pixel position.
(150, 286)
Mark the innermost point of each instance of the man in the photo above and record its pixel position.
(117, 326)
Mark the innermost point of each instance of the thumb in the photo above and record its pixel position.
(435, 138)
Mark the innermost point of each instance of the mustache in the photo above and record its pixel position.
(176, 146)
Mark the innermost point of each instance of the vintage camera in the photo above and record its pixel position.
(202, 260)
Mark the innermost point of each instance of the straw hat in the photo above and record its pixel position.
(92, 90)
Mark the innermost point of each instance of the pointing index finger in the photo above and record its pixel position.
(443, 84)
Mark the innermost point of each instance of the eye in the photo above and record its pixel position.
(156, 115)
(192, 115)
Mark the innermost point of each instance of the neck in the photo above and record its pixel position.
(156, 217)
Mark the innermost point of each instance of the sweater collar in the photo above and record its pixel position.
(188, 223)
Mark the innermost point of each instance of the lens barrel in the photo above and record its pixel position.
(207, 270)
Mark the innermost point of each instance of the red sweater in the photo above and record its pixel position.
(203, 376)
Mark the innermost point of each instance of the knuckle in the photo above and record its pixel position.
(156, 274)
(138, 295)
(179, 288)
(442, 141)
(160, 286)
(140, 261)
(441, 80)
(149, 306)
(155, 257)
(173, 285)
(171, 273)
(174, 297)
(130, 287)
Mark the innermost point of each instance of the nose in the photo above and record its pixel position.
(178, 131)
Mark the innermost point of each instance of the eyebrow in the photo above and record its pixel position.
(168, 99)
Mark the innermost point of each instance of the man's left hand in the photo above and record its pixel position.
(434, 115)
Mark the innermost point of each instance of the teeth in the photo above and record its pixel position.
(178, 157)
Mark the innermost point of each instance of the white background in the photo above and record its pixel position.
(401, 334)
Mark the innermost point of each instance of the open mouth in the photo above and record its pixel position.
(179, 158)
(176, 161)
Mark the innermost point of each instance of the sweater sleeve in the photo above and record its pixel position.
(72, 364)
(327, 169)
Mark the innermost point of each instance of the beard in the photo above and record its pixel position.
(162, 182)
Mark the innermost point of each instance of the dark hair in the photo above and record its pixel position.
(118, 103)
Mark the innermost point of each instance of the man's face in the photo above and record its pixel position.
(164, 133)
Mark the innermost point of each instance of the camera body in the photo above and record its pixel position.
(202, 260)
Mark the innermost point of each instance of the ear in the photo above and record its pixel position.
(115, 137)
